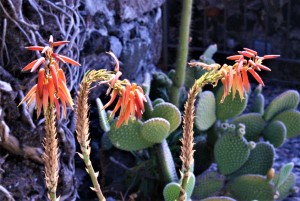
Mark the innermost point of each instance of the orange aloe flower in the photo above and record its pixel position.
(131, 101)
(51, 86)
(235, 78)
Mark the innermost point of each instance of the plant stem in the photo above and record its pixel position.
(182, 52)
(51, 153)
(82, 128)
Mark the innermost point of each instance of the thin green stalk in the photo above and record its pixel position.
(182, 52)
(82, 128)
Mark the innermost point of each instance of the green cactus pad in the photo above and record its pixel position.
(285, 189)
(259, 162)
(205, 111)
(203, 157)
(103, 120)
(208, 184)
(218, 198)
(166, 162)
(285, 101)
(251, 187)
(231, 107)
(231, 151)
(128, 137)
(155, 130)
(275, 133)
(172, 190)
(258, 104)
(157, 101)
(291, 120)
(254, 125)
(169, 112)
(105, 142)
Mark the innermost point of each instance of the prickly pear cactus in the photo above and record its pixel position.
(172, 190)
(291, 120)
(205, 114)
(128, 137)
(231, 107)
(155, 130)
(286, 101)
(231, 151)
(208, 184)
(259, 162)
(254, 125)
(251, 187)
(169, 112)
(275, 133)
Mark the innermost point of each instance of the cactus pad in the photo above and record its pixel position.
(285, 171)
(155, 130)
(254, 125)
(218, 198)
(258, 104)
(172, 190)
(275, 133)
(169, 112)
(128, 137)
(285, 101)
(205, 111)
(259, 162)
(291, 120)
(208, 184)
(231, 151)
(157, 101)
(231, 107)
(251, 187)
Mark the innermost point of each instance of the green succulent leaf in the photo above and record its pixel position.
(205, 111)
(128, 137)
(285, 101)
(155, 130)
(285, 171)
(171, 191)
(275, 133)
(251, 187)
(291, 120)
(254, 125)
(231, 151)
(286, 188)
(169, 112)
(103, 120)
(231, 107)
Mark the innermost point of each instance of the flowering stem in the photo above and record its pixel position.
(182, 52)
(51, 153)
(82, 128)
(188, 133)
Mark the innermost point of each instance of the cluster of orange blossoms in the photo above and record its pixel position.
(235, 78)
(51, 84)
(131, 97)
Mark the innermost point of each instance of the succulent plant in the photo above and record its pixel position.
(275, 133)
(219, 198)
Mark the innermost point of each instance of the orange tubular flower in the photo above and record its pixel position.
(131, 101)
(51, 86)
(236, 77)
